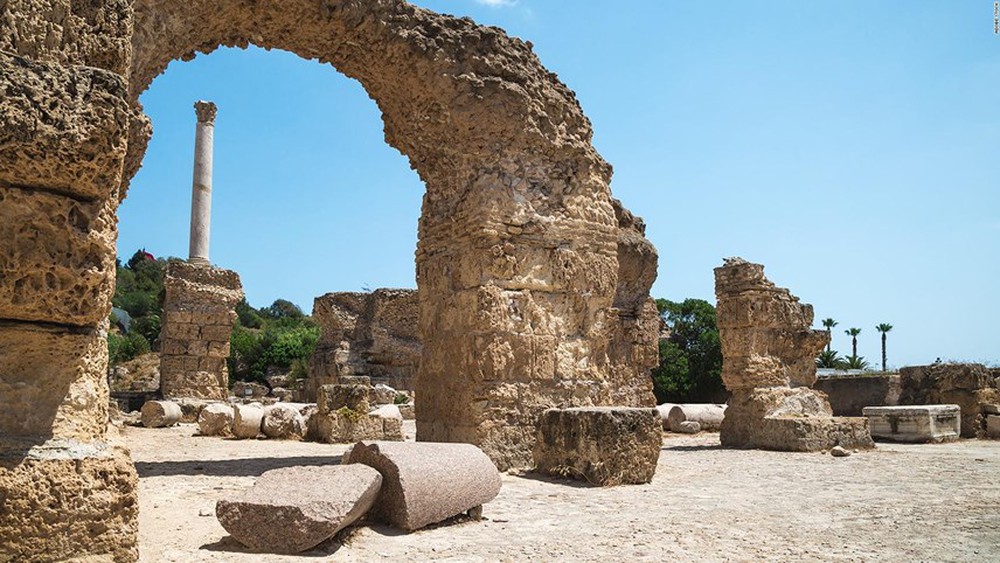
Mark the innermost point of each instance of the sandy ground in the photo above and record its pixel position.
(899, 503)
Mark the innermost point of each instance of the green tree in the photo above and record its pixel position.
(829, 324)
(282, 309)
(884, 328)
(855, 362)
(829, 359)
(691, 359)
(853, 333)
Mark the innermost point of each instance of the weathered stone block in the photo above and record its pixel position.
(62, 129)
(603, 445)
(344, 426)
(334, 397)
(993, 427)
(61, 500)
(57, 258)
(294, 509)
(283, 422)
(42, 399)
(925, 423)
(216, 419)
(426, 482)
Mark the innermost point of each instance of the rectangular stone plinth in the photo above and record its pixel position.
(923, 423)
(602, 445)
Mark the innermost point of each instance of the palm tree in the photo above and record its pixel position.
(856, 362)
(853, 333)
(829, 359)
(829, 324)
(883, 328)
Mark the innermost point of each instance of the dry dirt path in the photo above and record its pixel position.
(899, 503)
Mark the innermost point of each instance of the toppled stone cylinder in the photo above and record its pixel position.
(768, 351)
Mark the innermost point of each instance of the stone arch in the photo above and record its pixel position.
(533, 281)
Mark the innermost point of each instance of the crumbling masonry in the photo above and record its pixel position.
(533, 282)
(768, 352)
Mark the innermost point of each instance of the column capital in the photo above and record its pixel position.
(206, 111)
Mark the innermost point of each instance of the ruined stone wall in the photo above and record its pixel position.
(371, 334)
(768, 352)
(199, 312)
(848, 394)
(66, 482)
(970, 386)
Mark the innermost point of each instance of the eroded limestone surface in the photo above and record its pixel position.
(199, 312)
(768, 351)
(533, 282)
(366, 334)
(970, 386)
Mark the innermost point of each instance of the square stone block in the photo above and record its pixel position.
(602, 445)
(63, 129)
(333, 397)
(918, 423)
(993, 427)
(57, 257)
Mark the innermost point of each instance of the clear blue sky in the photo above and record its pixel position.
(851, 147)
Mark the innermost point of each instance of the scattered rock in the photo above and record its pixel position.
(382, 395)
(838, 451)
(283, 422)
(247, 420)
(216, 419)
(388, 411)
(159, 414)
(407, 411)
(427, 482)
(293, 509)
(687, 427)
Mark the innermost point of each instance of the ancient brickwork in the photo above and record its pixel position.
(366, 334)
(199, 312)
(768, 351)
(533, 283)
(972, 387)
(849, 394)
(67, 486)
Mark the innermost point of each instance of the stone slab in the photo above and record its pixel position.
(294, 509)
(915, 423)
(427, 482)
(602, 445)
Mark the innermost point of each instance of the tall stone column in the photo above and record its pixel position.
(201, 186)
(199, 309)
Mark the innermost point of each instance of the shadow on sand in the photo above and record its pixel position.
(244, 467)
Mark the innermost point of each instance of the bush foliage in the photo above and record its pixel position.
(690, 369)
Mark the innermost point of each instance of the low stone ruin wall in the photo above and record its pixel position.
(849, 394)
(366, 334)
(972, 387)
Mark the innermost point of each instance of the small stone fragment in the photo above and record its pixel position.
(293, 509)
(159, 414)
(688, 427)
(838, 451)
